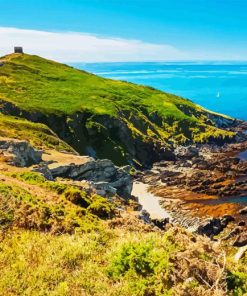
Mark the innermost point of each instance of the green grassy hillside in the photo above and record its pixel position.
(112, 119)
(37, 134)
(58, 239)
(34, 83)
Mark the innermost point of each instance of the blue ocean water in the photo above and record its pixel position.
(221, 87)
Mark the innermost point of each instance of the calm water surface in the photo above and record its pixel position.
(243, 155)
(239, 200)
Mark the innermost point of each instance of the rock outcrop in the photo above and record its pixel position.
(243, 211)
(106, 178)
(103, 173)
(214, 226)
(186, 152)
(223, 121)
(19, 153)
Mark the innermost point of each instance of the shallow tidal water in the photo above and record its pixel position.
(242, 200)
(243, 155)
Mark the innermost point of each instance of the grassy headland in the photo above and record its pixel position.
(112, 119)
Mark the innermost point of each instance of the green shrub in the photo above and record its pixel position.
(135, 257)
(101, 207)
(96, 204)
(29, 177)
(237, 283)
(146, 263)
(64, 207)
(37, 179)
(21, 209)
(77, 197)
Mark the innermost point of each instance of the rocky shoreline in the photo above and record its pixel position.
(205, 188)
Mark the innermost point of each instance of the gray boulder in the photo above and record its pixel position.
(104, 188)
(44, 171)
(145, 216)
(19, 153)
(186, 152)
(214, 226)
(106, 177)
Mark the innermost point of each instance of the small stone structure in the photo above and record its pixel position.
(18, 49)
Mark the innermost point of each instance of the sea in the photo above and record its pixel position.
(217, 86)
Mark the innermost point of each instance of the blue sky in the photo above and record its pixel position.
(187, 29)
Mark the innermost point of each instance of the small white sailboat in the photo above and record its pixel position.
(218, 95)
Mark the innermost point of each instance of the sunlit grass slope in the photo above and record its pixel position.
(34, 83)
(37, 134)
(119, 120)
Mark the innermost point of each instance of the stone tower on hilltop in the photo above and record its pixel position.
(18, 49)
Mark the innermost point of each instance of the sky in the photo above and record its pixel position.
(125, 30)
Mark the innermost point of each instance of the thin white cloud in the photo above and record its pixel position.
(83, 47)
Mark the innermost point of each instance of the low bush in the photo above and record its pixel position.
(237, 283)
(145, 263)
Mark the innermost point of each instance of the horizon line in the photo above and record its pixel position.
(160, 61)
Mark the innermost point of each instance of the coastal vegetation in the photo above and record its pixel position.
(49, 205)
(61, 236)
(57, 240)
(117, 261)
(111, 119)
(39, 135)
